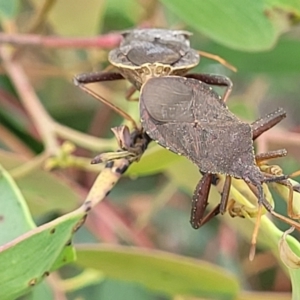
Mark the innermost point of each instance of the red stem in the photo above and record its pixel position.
(106, 41)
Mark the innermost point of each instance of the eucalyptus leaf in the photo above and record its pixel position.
(8, 9)
(242, 25)
(160, 271)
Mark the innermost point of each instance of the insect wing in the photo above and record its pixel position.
(168, 99)
(167, 113)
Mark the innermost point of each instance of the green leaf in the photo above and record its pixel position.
(28, 255)
(42, 291)
(279, 61)
(160, 271)
(291, 259)
(114, 289)
(8, 9)
(155, 160)
(292, 6)
(42, 190)
(15, 218)
(191, 176)
(89, 16)
(128, 13)
(26, 261)
(243, 25)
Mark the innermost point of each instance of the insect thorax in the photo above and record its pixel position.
(139, 75)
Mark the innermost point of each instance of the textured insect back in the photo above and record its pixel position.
(185, 115)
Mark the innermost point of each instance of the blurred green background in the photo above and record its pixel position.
(150, 206)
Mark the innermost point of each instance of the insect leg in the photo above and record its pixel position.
(270, 171)
(220, 208)
(265, 123)
(270, 155)
(82, 79)
(129, 94)
(263, 202)
(271, 210)
(291, 189)
(225, 195)
(210, 215)
(218, 80)
(200, 200)
(255, 233)
(93, 77)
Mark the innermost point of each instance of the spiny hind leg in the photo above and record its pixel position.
(200, 201)
(265, 123)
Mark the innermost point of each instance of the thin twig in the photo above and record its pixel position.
(14, 143)
(84, 140)
(106, 41)
(41, 119)
(29, 166)
(41, 15)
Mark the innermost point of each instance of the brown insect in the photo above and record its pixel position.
(187, 117)
(184, 115)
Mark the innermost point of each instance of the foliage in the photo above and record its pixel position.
(136, 243)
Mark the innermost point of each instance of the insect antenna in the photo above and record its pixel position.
(219, 59)
(295, 174)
